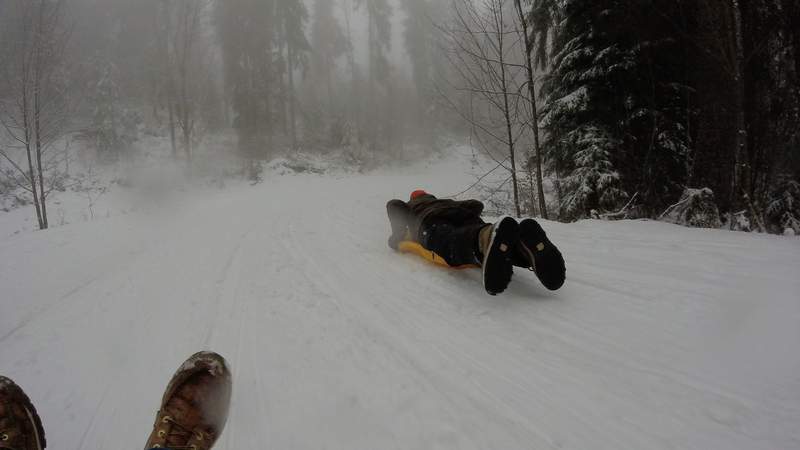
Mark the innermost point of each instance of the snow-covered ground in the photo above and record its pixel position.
(662, 338)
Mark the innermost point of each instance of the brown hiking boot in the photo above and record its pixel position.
(195, 405)
(20, 426)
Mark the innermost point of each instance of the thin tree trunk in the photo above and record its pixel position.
(648, 160)
(290, 72)
(558, 190)
(531, 184)
(270, 102)
(171, 109)
(37, 112)
(168, 62)
(186, 121)
(187, 142)
(355, 106)
(283, 40)
(39, 150)
(688, 93)
(184, 117)
(507, 107)
(688, 125)
(511, 153)
(793, 27)
(189, 26)
(282, 100)
(741, 171)
(534, 108)
(31, 173)
(329, 85)
(371, 132)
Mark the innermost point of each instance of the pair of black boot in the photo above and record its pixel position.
(525, 244)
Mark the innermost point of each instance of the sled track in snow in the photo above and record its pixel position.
(663, 337)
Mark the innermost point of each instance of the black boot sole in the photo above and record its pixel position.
(497, 266)
(548, 262)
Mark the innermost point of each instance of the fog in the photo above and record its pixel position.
(224, 87)
(280, 74)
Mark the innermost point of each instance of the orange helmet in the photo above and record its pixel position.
(418, 193)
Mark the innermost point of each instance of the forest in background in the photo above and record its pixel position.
(683, 110)
(671, 103)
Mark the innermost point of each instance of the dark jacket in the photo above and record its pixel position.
(412, 217)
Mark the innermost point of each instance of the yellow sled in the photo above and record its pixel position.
(417, 249)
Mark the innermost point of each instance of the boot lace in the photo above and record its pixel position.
(5, 434)
(176, 436)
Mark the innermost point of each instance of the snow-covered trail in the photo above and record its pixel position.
(662, 338)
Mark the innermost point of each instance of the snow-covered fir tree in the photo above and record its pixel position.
(618, 81)
(592, 183)
(783, 210)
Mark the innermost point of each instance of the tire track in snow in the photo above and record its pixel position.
(94, 417)
(118, 265)
(226, 286)
(43, 310)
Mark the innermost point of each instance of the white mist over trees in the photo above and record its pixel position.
(589, 109)
(377, 79)
(283, 75)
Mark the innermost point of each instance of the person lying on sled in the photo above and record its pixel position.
(455, 231)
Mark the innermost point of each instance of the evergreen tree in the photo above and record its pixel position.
(772, 94)
(246, 30)
(544, 17)
(416, 35)
(328, 43)
(783, 207)
(293, 16)
(379, 40)
(379, 37)
(421, 42)
(745, 86)
(592, 183)
(617, 73)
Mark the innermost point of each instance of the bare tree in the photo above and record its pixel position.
(180, 53)
(163, 82)
(482, 44)
(33, 111)
(189, 15)
(292, 16)
(527, 37)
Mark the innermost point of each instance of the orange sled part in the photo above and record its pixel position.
(417, 249)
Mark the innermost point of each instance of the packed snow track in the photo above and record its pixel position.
(662, 338)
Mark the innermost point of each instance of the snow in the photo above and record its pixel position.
(663, 337)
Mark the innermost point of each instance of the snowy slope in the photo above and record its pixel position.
(663, 337)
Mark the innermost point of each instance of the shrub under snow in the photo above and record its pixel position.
(783, 210)
(696, 208)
